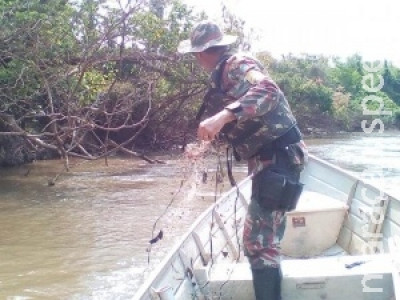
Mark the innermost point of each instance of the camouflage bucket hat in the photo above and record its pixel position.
(205, 35)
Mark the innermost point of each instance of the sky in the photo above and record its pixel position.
(331, 28)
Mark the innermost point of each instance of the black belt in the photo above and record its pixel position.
(292, 136)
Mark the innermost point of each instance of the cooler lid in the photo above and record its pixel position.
(313, 201)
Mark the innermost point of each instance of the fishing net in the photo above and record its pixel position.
(202, 169)
(201, 177)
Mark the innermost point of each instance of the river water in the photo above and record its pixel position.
(375, 158)
(87, 237)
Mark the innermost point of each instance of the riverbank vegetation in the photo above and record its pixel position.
(92, 78)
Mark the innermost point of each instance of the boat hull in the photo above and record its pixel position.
(208, 263)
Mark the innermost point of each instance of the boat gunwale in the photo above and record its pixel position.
(156, 273)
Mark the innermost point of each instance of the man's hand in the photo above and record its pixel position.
(210, 127)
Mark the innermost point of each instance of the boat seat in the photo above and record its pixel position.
(226, 281)
(234, 280)
(311, 279)
(366, 277)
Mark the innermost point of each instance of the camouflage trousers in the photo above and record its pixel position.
(264, 228)
(263, 231)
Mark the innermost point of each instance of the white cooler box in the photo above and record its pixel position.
(328, 278)
(313, 226)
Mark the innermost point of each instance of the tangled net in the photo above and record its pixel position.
(200, 169)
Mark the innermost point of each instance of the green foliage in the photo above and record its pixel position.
(314, 93)
(348, 75)
(317, 86)
(93, 84)
(391, 86)
(37, 39)
(303, 79)
(163, 34)
(397, 118)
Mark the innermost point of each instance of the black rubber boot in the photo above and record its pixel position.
(267, 283)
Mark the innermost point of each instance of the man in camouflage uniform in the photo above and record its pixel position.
(247, 107)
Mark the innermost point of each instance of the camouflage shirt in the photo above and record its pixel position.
(245, 80)
(262, 111)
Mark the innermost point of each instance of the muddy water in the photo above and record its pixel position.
(87, 236)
